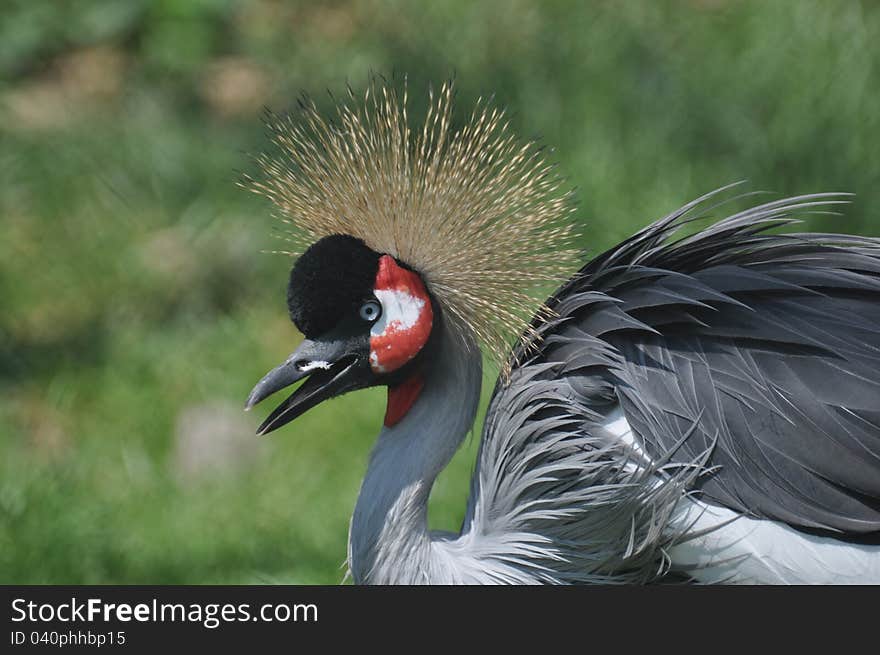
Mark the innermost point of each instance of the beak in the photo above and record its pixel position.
(330, 368)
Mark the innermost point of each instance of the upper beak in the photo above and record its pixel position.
(332, 368)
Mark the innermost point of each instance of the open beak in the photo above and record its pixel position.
(330, 368)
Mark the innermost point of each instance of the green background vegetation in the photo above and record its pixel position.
(138, 308)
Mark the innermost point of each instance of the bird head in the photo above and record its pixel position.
(400, 232)
(367, 320)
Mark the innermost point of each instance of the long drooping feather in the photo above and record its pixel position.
(478, 213)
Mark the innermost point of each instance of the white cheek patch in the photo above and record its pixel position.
(400, 311)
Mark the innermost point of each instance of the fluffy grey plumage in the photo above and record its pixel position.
(746, 364)
(773, 341)
(750, 360)
(563, 492)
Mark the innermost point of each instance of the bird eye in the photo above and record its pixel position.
(371, 310)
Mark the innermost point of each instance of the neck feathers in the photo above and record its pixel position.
(389, 539)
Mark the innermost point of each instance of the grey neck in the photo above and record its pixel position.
(389, 540)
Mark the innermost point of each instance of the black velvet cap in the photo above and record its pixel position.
(329, 282)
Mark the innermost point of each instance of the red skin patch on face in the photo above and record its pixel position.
(401, 399)
(398, 344)
(403, 336)
(393, 277)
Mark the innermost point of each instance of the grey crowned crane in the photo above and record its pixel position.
(703, 403)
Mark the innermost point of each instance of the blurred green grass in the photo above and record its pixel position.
(138, 308)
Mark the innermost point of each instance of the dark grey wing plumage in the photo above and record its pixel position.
(766, 347)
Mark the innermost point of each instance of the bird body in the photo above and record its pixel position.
(706, 405)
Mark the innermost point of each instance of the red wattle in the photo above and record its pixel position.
(401, 399)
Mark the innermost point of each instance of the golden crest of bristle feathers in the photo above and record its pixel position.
(481, 215)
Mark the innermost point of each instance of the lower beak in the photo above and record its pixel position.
(329, 370)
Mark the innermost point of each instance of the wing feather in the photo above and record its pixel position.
(749, 354)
